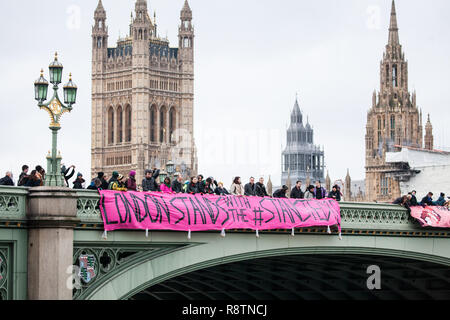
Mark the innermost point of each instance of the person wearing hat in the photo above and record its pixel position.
(79, 182)
(116, 183)
(131, 181)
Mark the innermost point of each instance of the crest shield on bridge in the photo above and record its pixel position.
(87, 267)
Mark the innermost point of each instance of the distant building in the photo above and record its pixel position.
(301, 160)
(393, 120)
(421, 170)
(142, 96)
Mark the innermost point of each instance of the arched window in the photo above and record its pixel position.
(392, 127)
(162, 125)
(128, 122)
(394, 76)
(153, 124)
(387, 74)
(172, 122)
(111, 125)
(119, 124)
(99, 42)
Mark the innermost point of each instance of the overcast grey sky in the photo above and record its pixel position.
(251, 56)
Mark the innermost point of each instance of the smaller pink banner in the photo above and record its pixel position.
(437, 217)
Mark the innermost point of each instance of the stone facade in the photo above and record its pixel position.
(394, 120)
(301, 160)
(142, 97)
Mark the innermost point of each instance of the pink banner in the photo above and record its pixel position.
(437, 217)
(185, 212)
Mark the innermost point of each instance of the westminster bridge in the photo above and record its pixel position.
(45, 233)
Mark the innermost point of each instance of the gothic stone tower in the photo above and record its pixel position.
(301, 160)
(142, 96)
(394, 120)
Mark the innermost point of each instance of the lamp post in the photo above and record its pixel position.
(55, 108)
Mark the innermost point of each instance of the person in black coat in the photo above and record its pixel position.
(335, 193)
(23, 178)
(261, 189)
(250, 188)
(297, 192)
(101, 176)
(281, 193)
(201, 184)
(150, 184)
(177, 185)
(7, 180)
(209, 186)
(221, 191)
(427, 200)
(79, 182)
(413, 200)
(194, 186)
(33, 180)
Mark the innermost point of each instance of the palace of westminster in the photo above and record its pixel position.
(143, 107)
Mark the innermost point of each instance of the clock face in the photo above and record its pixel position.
(55, 107)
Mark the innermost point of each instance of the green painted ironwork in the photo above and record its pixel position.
(5, 292)
(13, 203)
(55, 108)
(109, 260)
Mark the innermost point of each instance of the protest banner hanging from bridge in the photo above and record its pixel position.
(437, 217)
(186, 212)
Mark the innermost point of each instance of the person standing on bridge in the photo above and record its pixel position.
(250, 188)
(236, 188)
(193, 187)
(177, 185)
(309, 194)
(131, 184)
(166, 187)
(441, 201)
(23, 178)
(335, 193)
(7, 180)
(413, 201)
(297, 192)
(261, 189)
(281, 193)
(33, 180)
(427, 200)
(221, 191)
(149, 183)
(319, 191)
(79, 182)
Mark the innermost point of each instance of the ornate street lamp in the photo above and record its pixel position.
(55, 108)
(170, 166)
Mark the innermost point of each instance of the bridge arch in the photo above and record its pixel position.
(208, 250)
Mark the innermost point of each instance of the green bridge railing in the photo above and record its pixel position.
(357, 218)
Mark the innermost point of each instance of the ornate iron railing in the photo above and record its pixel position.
(13, 203)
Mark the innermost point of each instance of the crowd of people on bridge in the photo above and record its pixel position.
(410, 200)
(199, 185)
(152, 183)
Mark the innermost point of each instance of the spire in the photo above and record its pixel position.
(296, 115)
(100, 6)
(429, 139)
(328, 181)
(186, 12)
(393, 28)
